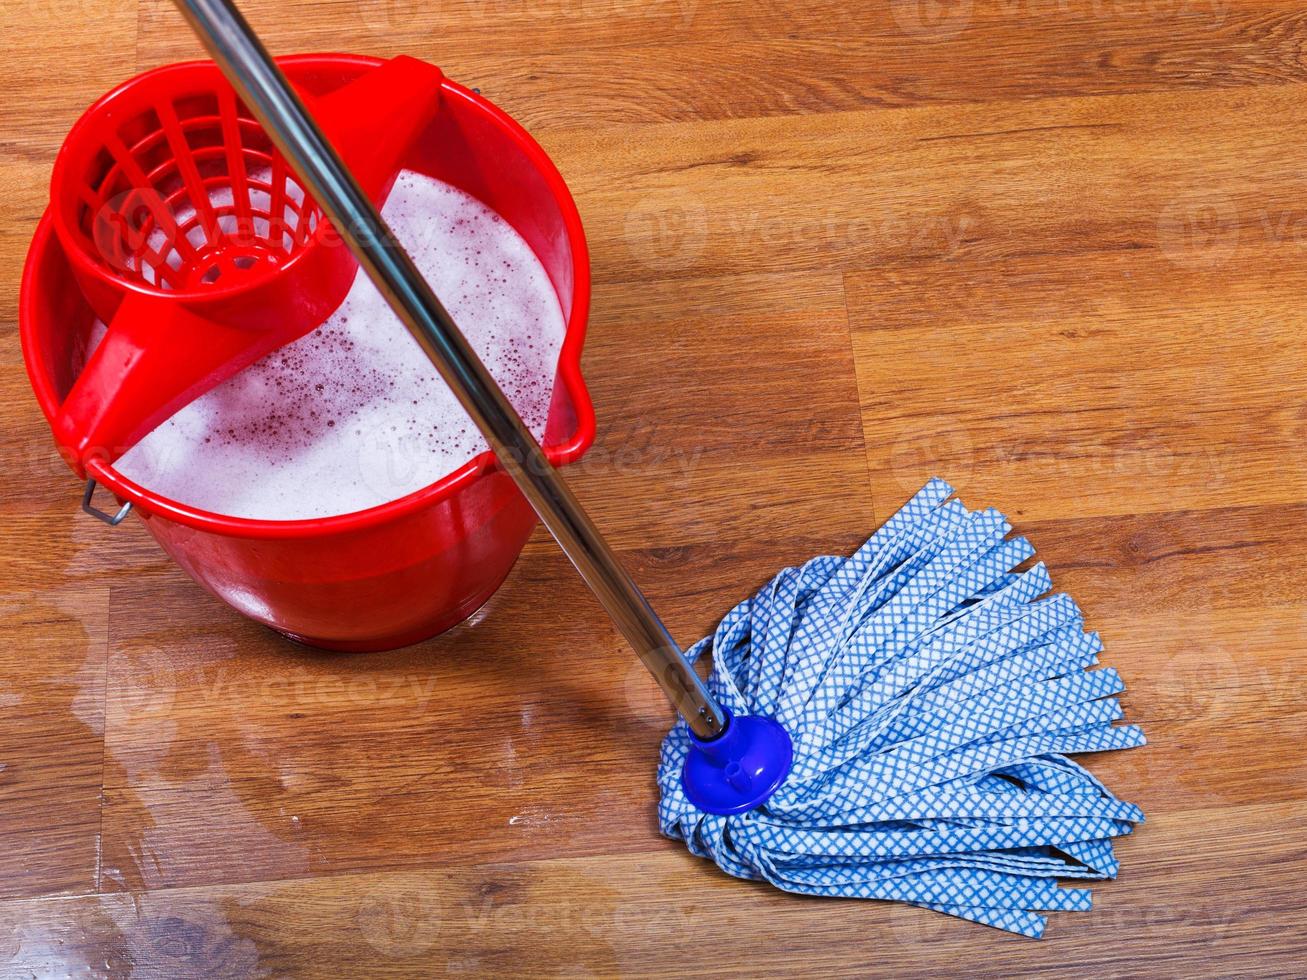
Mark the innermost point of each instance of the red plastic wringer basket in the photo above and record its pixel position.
(192, 240)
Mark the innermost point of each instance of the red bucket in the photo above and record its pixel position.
(414, 567)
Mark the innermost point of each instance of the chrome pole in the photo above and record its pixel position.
(263, 87)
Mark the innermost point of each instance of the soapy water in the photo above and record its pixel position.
(354, 414)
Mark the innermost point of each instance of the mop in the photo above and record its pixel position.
(892, 725)
(929, 694)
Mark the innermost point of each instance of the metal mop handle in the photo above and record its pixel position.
(251, 70)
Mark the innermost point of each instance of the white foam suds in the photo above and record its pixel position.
(353, 414)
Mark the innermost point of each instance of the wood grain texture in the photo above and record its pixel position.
(1051, 251)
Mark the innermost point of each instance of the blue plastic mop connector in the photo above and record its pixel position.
(739, 769)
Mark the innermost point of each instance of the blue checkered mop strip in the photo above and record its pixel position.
(932, 697)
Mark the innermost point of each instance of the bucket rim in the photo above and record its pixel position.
(569, 373)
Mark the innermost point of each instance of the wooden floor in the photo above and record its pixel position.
(1054, 251)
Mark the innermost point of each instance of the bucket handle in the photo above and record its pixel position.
(113, 520)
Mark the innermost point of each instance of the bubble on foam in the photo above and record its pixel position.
(354, 415)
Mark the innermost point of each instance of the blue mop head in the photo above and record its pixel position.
(929, 694)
